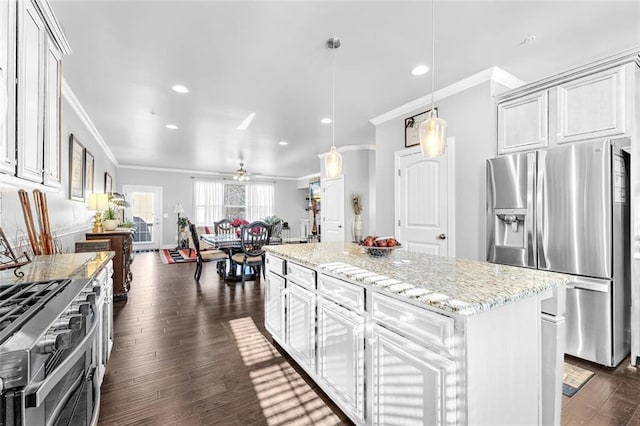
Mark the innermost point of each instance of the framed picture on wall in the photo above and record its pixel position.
(108, 183)
(89, 163)
(76, 169)
(412, 128)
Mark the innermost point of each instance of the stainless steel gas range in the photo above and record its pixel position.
(54, 342)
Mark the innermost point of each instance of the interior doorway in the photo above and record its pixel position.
(145, 211)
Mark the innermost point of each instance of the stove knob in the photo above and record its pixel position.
(81, 308)
(97, 289)
(91, 298)
(55, 341)
(71, 322)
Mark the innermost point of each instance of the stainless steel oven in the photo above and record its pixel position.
(50, 350)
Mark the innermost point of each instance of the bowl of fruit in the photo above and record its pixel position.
(380, 246)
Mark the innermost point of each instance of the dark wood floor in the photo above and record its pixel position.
(196, 354)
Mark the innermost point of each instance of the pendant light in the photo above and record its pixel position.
(333, 160)
(433, 132)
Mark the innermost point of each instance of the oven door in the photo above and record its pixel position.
(69, 394)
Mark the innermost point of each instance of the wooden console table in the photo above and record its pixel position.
(122, 244)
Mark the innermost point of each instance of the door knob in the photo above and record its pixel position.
(442, 237)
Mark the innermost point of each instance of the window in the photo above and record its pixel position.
(215, 200)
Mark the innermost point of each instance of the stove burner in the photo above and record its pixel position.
(19, 302)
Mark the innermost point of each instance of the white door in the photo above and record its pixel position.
(145, 210)
(332, 209)
(424, 195)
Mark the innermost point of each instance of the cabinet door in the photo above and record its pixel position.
(31, 32)
(274, 306)
(7, 79)
(52, 151)
(592, 106)
(412, 385)
(341, 355)
(301, 325)
(523, 123)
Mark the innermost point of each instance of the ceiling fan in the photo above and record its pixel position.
(242, 175)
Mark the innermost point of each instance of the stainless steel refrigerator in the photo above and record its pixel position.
(566, 209)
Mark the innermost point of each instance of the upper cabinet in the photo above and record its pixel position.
(7, 80)
(36, 94)
(588, 102)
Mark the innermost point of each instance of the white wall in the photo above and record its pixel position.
(471, 120)
(177, 187)
(69, 219)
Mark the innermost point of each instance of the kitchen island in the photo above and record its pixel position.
(418, 339)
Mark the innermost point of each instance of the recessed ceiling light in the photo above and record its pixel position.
(246, 122)
(180, 88)
(420, 70)
(528, 40)
(326, 121)
(283, 143)
(171, 126)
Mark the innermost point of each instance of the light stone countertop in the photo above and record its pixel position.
(59, 266)
(461, 286)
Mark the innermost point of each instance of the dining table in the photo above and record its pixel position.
(228, 243)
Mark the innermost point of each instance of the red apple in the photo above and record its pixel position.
(392, 242)
(381, 243)
(368, 242)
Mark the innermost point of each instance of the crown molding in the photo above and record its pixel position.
(196, 173)
(347, 148)
(494, 73)
(70, 97)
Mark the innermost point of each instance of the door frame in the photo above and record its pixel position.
(158, 231)
(451, 193)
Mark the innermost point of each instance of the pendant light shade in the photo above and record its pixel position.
(433, 132)
(433, 136)
(333, 163)
(333, 160)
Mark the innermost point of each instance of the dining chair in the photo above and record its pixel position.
(275, 233)
(224, 227)
(252, 239)
(205, 256)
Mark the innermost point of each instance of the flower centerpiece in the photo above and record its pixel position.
(237, 223)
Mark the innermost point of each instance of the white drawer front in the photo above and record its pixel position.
(302, 276)
(342, 292)
(415, 323)
(275, 264)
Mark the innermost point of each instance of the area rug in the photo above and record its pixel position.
(171, 256)
(574, 378)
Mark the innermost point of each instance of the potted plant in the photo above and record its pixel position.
(109, 220)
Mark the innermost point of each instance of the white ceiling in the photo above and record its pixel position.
(270, 58)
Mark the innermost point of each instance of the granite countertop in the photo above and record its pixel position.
(59, 266)
(461, 286)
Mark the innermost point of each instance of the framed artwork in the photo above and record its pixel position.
(412, 127)
(108, 183)
(76, 169)
(89, 163)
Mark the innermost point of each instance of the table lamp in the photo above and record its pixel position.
(99, 203)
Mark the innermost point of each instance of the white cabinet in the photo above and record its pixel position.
(412, 385)
(7, 79)
(30, 105)
(301, 325)
(592, 106)
(523, 123)
(52, 149)
(274, 305)
(341, 356)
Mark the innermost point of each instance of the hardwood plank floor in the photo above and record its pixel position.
(196, 354)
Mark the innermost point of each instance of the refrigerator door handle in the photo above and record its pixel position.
(584, 283)
(532, 245)
(540, 213)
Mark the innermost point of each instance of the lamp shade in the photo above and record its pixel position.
(333, 163)
(433, 137)
(98, 202)
(178, 208)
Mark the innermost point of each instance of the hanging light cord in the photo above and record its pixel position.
(433, 55)
(333, 95)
